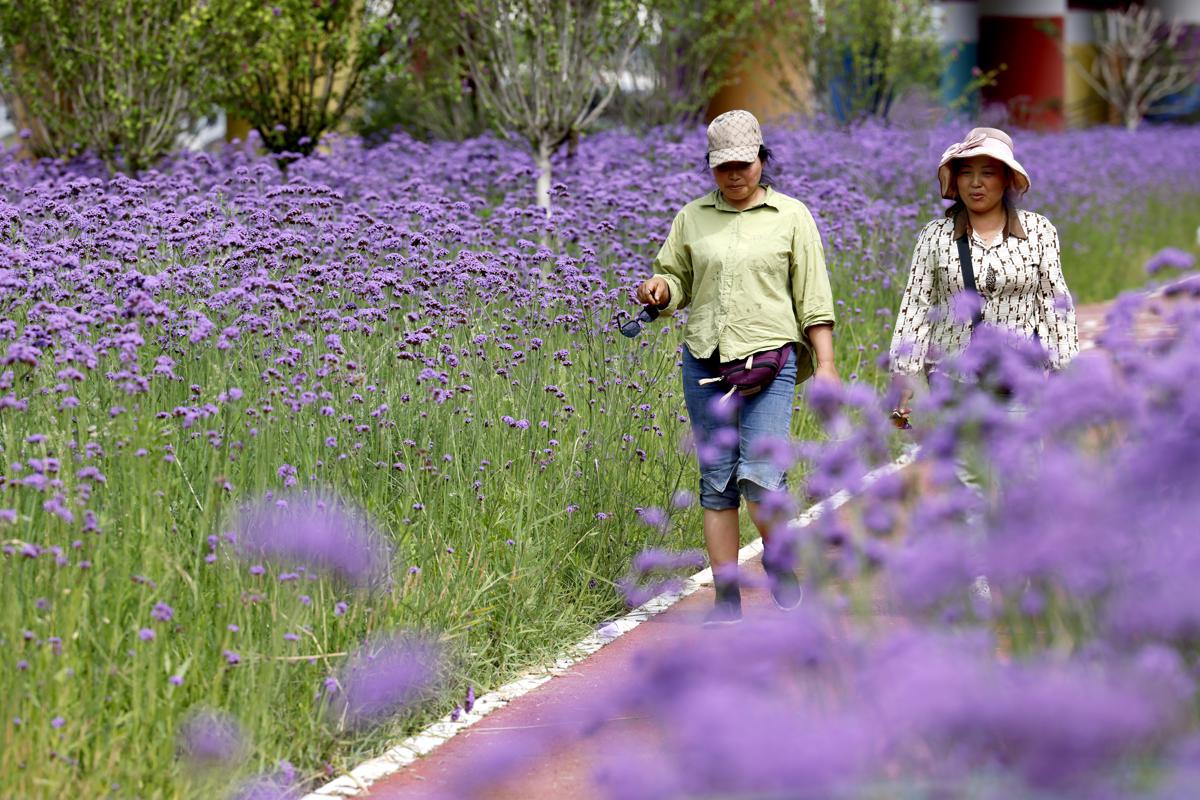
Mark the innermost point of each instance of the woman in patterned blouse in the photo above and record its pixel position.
(1014, 256)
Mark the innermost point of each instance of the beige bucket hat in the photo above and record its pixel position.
(981, 142)
(733, 136)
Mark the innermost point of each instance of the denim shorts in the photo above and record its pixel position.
(735, 439)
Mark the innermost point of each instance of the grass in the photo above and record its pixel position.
(1106, 256)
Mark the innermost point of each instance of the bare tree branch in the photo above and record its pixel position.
(546, 69)
(1137, 63)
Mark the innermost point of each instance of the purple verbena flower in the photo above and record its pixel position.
(322, 534)
(386, 676)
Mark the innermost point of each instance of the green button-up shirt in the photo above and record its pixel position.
(754, 279)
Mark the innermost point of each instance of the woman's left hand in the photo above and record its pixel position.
(828, 372)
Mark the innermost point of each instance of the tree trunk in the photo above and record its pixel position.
(544, 151)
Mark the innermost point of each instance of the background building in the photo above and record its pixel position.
(1023, 42)
(1020, 43)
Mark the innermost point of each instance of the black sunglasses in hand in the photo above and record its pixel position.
(633, 327)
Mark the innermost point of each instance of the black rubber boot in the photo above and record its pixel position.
(727, 609)
(785, 588)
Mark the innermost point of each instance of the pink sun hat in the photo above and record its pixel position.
(982, 142)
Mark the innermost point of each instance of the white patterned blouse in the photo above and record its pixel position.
(1018, 276)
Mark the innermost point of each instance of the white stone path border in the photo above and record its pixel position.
(358, 780)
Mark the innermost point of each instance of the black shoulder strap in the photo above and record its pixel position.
(968, 274)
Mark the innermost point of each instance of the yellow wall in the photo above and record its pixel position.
(1083, 106)
(239, 128)
(770, 85)
(236, 128)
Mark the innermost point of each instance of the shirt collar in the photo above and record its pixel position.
(1012, 225)
(717, 200)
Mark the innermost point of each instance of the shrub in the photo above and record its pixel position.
(123, 78)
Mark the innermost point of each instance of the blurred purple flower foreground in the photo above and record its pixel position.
(209, 738)
(1025, 621)
(1170, 258)
(320, 534)
(278, 785)
(798, 709)
(385, 677)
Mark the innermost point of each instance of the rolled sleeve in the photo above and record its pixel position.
(674, 265)
(812, 296)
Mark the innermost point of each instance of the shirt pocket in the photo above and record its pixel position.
(772, 256)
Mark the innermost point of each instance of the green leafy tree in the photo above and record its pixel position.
(866, 53)
(296, 68)
(432, 95)
(546, 69)
(122, 78)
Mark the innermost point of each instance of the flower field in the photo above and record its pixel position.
(273, 448)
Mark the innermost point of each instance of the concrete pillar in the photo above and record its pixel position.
(958, 34)
(1186, 11)
(1082, 105)
(236, 128)
(758, 80)
(1186, 103)
(1024, 36)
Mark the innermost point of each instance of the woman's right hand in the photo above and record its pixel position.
(903, 408)
(654, 292)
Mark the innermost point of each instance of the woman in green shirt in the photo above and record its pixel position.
(748, 263)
